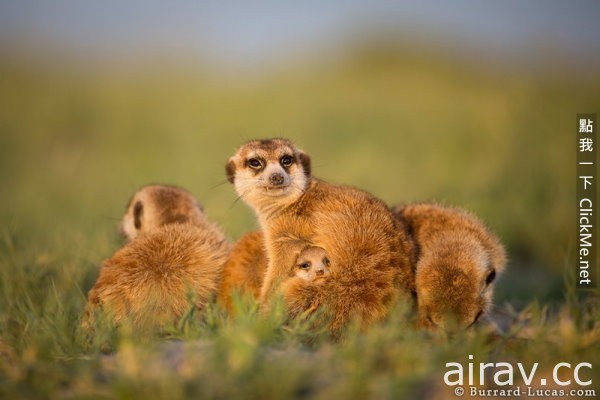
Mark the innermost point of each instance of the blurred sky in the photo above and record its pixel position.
(243, 32)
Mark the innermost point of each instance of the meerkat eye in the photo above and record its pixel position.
(304, 266)
(286, 161)
(254, 163)
(326, 261)
(490, 278)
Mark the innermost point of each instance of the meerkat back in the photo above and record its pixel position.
(155, 278)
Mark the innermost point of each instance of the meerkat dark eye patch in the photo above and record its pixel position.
(490, 278)
(286, 161)
(326, 261)
(304, 266)
(254, 163)
(305, 162)
(138, 211)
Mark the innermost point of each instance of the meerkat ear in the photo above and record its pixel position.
(305, 161)
(138, 211)
(230, 171)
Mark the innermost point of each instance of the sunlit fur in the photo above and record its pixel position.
(456, 254)
(171, 264)
(155, 278)
(244, 270)
(370, 262)
(157, 205)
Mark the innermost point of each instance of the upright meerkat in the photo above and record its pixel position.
(370, 261)
(158, 275)
(244, 269)
(458, 262)
(153, 206)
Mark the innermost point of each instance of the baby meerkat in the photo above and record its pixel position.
(458, 262)
(244, 269)
(173, 259)
(153, 206)
(312, 264)
(370, 262)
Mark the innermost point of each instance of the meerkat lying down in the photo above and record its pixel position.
(158, 275)
(458, 262)
(370, 262)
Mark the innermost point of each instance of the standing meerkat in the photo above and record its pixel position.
(458, 262)
(154, 206)
(244, 269)
(370, 261)
(158, 275)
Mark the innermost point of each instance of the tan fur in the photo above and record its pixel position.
(370, 261)
(155, 278)
(173, 260)
(312, 264)
(154, 206)
(456, 254)
(244, 270)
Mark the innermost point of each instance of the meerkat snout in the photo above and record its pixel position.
(277, 179)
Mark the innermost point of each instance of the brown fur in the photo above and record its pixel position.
(155, 278)
(244, 270)
(370, 262)
(154, 206)
(456, 254)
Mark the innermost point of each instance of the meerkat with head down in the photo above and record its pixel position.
(166, 268)
(153, 206)
(459, 260)
(370, 263)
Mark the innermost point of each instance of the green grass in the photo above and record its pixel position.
(75, 143)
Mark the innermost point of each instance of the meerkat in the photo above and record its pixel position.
(312, 263)
(153, 206)
(244, 269)
(370, 262)
(459, 260)
(174, 258)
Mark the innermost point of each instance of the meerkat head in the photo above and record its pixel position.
(156, 205)
(268, 173)
(455, 285)
(312, 263)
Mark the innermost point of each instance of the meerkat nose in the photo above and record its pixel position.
(320, 272)
(277, 179)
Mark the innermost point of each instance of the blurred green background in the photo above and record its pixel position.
(407, 116)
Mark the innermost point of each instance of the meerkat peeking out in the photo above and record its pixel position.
(244, 269)
(459, 260)
(153, 206)
(369, 260)
(312, 264)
